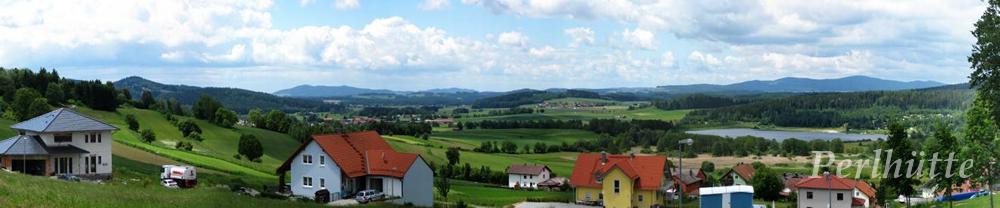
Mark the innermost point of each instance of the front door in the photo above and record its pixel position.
(63, 165)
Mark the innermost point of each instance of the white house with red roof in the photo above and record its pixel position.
(817, 191)
(527, 176)
(344, 164)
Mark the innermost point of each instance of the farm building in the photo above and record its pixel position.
(61, 142)
(527, 176)
(727, 197)
(686, 180)
(619, 180)
(344, 164)
(741, 174)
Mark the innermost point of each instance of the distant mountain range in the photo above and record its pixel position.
(236, 99)
(789, 84)
(795, 84)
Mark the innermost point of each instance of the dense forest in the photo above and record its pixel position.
(418, 98)
(28, 94)
(855, 109)
(600, 126)
(693, 101)
(525, 97)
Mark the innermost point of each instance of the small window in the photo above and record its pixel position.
(322, 182)
(809, 195)
(307, 159)
(307, 181)
(99, 138)
(586, 196)
(640, 197)
(322, 160)
(64, 138)
(600, 196)
(840, 196)
(617, 186)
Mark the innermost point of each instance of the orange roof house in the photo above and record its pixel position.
(346, 163)
(741, 174)
(861, 193)
(634, 180)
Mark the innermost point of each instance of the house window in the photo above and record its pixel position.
(99, 138)
(307, 181)
(600, 196)
(64, 138)
(322, 160)
(840, 196)
(322, 181)
(586, 196)
(307, 159)
(809, 195)
(617, 186)
(640, 197)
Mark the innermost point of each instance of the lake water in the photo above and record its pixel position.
(782, 135)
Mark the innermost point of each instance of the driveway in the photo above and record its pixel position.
(549, 205)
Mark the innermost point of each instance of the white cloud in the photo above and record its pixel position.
(667, 59)
(306, 2)
(346, 4)
(512, 38)
(434, 5)
(541, 52)
(640, 38)
(580, 36)
(699, 57)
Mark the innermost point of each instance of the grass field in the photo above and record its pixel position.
(488, 195)
(561, 163)
(30, 191)
(518, 136)
(606, 112)
(215, 152)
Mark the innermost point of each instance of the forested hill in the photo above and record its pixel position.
(239, 100)
(795, 84)
(523, 97)
(856, 109)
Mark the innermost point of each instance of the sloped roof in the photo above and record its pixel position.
(23, 145)
(819, 182)
(688, 176)
(648, 170)
(745, 171)
(526, 169)
(33, 145)
(862, 186)
(359, 154)
(62, 120)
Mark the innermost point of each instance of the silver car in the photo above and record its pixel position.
(366, 196)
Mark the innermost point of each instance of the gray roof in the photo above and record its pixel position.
(33, 145)
(63, 120)
(23, 145)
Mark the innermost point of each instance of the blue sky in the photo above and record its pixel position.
(488, 44)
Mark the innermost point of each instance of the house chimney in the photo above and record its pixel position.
(604, 158)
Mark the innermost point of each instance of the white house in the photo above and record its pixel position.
(527, 176)
(344, 164)
(821, 191)
(60, 142)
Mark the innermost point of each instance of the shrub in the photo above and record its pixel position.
(132, 123)
(147, 135)
(250, 147)
(187, 127)
(195, 136)
(183, 145)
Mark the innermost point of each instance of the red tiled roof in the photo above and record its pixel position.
(359, 154)
(746, 171)
(819, 182)
(862, 186)
(647, 170)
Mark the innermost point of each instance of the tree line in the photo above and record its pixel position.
(26, 94)
(600, 126)
(696, 101)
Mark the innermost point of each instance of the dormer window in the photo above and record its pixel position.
(59, 138)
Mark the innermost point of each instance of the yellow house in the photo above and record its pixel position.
(619, 181)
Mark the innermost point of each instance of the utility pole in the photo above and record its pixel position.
(829, 189)
(680, 168)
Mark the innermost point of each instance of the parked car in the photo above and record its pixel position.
(68, 177)
(366, 196)
(181, 176)
(169, 183)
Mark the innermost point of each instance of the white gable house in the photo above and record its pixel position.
(527, 176)
(61, 142)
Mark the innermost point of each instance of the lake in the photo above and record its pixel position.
(782, 135)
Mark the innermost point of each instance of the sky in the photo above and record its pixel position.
(495, 45)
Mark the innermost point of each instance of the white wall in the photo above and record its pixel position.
(102, 149)
(418, 187)
(391, 186)
(862, 196)
(820, 198)
(527, 181)
(329, 171)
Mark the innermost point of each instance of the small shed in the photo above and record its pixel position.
(727, 197)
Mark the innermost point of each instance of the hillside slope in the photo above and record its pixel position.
(795, 84)
(236, 99)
